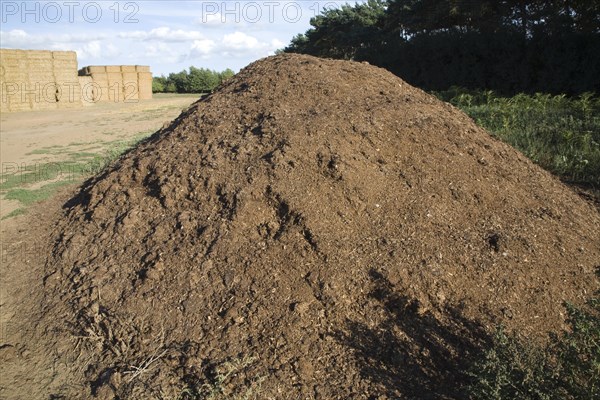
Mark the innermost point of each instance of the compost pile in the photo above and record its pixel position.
(313, 229)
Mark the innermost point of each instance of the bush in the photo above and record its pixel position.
(559, 133)
(568, 368)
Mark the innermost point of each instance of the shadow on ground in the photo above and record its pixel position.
(412, 354)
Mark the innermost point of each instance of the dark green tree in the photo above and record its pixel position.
(348, 32)
(509, 46)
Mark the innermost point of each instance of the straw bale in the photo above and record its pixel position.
(65, 65)
(114, 77)
(65, 55)
(38, 55)
(129, 77)
(43, 105)
(95, 69)
(145, 77)
(101, 79)
(16, 77)
(15, 105)
(127, 68)
(11, 53)
(40, 76)
(145, 92)
(18, 64)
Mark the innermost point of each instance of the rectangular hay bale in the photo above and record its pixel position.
(38, 55)
(115, 78)
(44, 105)
(8, 56)
(145, 91)
(65, 65)
(17, 105)
(64, 55)
(95, 69)
(100, 78)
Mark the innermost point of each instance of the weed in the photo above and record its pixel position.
(216, 387)
(560, 134)
(567, 368)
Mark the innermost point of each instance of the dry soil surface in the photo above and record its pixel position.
(314, 229)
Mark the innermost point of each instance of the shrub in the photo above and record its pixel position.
(560, 134)
(567, 368)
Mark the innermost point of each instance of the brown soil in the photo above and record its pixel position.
(315, 229)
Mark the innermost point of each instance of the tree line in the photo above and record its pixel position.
(508, 46)
(194, 80)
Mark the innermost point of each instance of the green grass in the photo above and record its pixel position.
(79, 165)
(14, 213)
(47, 150)
(560, 134)
(28, 197)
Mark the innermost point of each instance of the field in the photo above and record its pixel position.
(43, 151)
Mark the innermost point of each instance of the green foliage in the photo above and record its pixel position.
(510, 46)
(579, 352)
(511, 369)
(158, 84)
(214, 388)
(348, 32)
(225, 75)
(567, 368)
(194, 80)
(559, 133)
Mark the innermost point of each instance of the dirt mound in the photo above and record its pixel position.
(314, 229)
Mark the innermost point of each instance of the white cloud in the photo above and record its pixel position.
(234, 45)
(240, 41)
(163, 33)
(90, 50)
(202, 48)
(277, 44)
(20, 38)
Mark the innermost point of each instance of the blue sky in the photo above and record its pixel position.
(167, 35)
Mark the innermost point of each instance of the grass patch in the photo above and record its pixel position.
(28, 197)
(16, 182)
(14, 213)
(44, 150)
(560, 134)
(82, 155)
